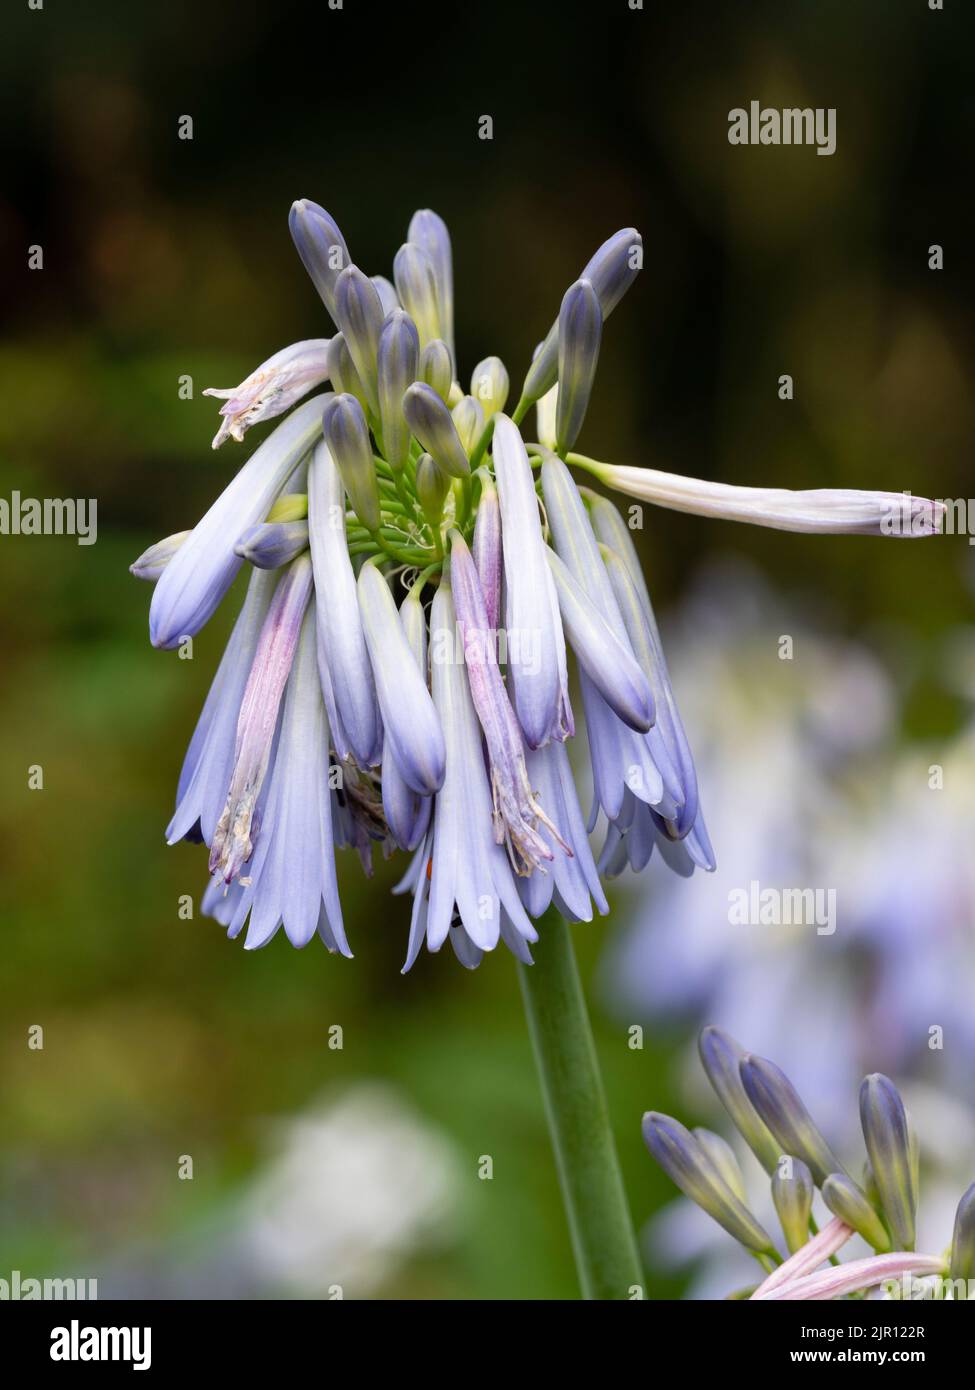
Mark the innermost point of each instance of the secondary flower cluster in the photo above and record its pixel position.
(771, 1118)
(398, 674)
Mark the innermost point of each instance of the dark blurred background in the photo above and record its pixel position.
(165, 257)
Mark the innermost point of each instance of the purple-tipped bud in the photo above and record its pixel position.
(387, 294)
(431, 488)
(779, 1105)
(153, 561)
(962, 1264)
(468, 417)
(436, 368)
(321, 247)
(397, 361)
(845, 1200)
(360, 317)
(342, 371)
(792, 1193)
(416, 285)
(487, 549)
(721, 1056)
(686, 1162)
(347, 436)
(490, 385)
(887, 1135)
(273, 543)
(580, 331)
(429, 231)
(430, 420)
(611, 271)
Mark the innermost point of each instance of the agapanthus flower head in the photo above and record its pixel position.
(766, 1109)
(424, 582)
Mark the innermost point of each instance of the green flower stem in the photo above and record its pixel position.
(585, 1153)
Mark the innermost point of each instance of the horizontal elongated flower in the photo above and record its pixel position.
(425, 583)
(763, 1096)
(271, 388)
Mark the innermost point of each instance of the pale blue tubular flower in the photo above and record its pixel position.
(536, 644)
(237, 828)
(407, 810)
(271, 388)
(517, 814)
(399, 673)
(204, 567)
(343, 659)
(461, 879)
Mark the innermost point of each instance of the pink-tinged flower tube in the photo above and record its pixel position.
(536, 644)
(202, 790)
(202, 570)
(272, 388)
(853, 1276)
(291, 879)
(518, 815)
(462, 881)
(234, 837)
(809, 1256)
(355, 724)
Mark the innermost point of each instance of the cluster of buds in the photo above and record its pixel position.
(881, 1208)
(419, 573)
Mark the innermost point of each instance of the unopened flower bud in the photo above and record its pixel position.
(845, 1200)
(342, 371)
(792, 1193)
(580, 330)
(721, 1057)
(272, 544)
(360, 317)
(962, 1264)
(347, 436)
(431, 488)
(490, 385)
(686, 1162)
(416, 285)
(468, 418)
(779, 1105)
(886, 1133)
(722, 1155)
(429, 419)
(153, 561)
(321, 247)
(429, 231)
(436, 368)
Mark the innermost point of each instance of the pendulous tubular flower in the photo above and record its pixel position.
(423, 585)
(757, 1094)
(272, 388)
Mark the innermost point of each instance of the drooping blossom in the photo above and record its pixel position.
(425, 581)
